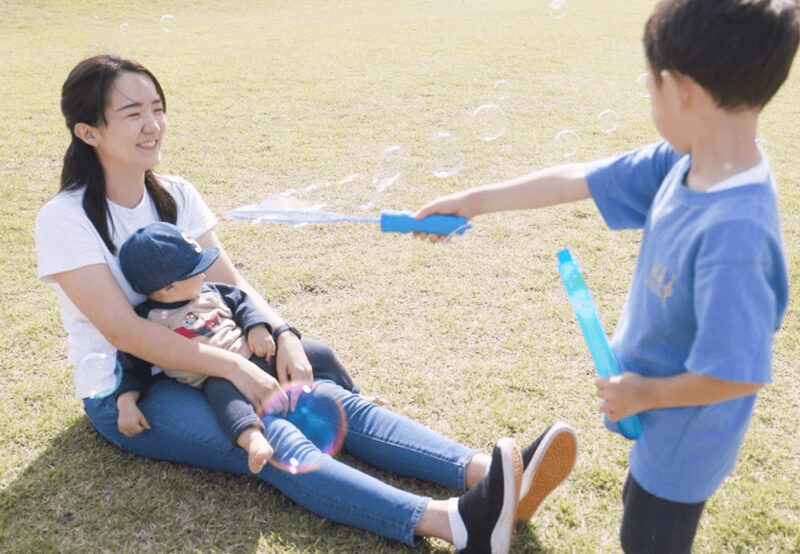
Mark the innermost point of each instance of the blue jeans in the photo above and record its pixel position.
(183, 429)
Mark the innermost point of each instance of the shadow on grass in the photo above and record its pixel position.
(82, 494)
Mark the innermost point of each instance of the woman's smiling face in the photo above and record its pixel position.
(134, 126)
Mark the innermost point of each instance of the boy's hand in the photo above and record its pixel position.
(131, 420)
(260, 341)
(453, 204)
(622, 395)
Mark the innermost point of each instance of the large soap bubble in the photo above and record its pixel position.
(490, 122)
(322, 420)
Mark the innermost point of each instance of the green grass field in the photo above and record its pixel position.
(475, 338)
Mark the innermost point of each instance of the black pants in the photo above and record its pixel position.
(235, 414)
(651, 524)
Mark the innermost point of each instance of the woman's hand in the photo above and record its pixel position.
(260, 341)
(259, 388)
(292, 363)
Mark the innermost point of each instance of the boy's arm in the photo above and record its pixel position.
(257, 331)
(245, 313)
(631, 393)
(546, 187)
(136, 374)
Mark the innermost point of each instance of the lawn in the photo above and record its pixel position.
(475, 338)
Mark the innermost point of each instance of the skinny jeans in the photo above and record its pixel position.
(183, 429)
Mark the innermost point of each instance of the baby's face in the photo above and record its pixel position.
(180, 291)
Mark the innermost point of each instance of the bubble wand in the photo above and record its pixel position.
(604, 359)
(389, 220)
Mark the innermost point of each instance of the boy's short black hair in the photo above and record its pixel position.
(740, 51)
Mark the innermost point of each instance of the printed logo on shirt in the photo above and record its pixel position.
(195, 327)
(658, 283)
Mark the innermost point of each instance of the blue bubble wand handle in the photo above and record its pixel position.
(604, 359)
(439, 224)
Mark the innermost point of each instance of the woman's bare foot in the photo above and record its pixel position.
(259, 451)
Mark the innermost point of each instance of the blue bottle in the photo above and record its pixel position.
(604, 359)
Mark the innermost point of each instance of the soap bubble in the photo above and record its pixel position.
(349, 179)
(389, 167)
(123, 29)
(490, 122)
(445, 158)
(503, 89)
(168, 23)
(763, 144)
(641, 81)
(566, 142)
(98, 375)
(558, 8)
(320, 418)
(608, 121)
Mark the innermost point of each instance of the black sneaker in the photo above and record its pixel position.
(547, 462)
(487, 509)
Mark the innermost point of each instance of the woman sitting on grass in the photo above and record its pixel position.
(115, 112)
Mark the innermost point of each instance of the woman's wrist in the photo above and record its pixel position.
(284, 330)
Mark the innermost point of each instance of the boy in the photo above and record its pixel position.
(159, 261)
(710, 286)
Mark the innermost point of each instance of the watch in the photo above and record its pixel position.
(283, 328)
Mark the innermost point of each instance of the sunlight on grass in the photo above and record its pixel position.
(475, 338)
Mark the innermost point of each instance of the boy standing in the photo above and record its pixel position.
(710, 286)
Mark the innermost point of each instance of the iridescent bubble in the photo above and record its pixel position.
(317, 186)
(123, 29)
(446, 162)
(96, 19)
(558, 8)
(490, 121)
(349, 179)
(389, 167)
(763, 144)
(641, 82)
(608, 121)
(566, 143)
(320, 418)
(98, 375)
(167, 23)
(502, 89)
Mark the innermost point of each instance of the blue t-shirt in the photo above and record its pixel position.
(708, 293)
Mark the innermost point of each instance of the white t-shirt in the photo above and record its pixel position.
(66, 239)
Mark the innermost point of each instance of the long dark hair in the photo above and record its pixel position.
(84, 97)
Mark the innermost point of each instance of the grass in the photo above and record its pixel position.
(475, 339)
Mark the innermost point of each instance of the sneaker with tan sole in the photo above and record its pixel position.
(488, 508)
(547, 461)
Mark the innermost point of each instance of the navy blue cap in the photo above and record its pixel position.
(160, 254)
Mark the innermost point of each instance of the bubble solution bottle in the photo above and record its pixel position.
(604, 359)
(98, 375)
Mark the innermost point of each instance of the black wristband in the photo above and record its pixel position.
(283, 328)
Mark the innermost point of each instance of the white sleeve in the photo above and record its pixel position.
(65, 238)
(194, 216)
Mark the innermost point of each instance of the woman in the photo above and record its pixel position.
(115, 111)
